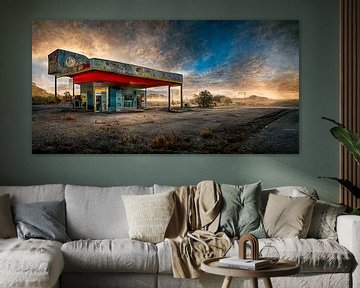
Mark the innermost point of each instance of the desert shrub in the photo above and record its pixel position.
(165, 141)
(206, 133)
(129, 138)
(39, 100)
(69, 118)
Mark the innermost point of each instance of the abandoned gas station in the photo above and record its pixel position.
(110, 86)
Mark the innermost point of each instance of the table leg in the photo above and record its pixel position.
(254, 282)
(267, 283)
(227, 282)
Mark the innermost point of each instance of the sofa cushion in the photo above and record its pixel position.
(313, 255)
(149, 215)
(287, 216)
(30, 263)
(98, 212)
(7, 226)
(43, 220)
(291, 191)
(116, 255)
(323, 222)
(240, 210)
(35, 193)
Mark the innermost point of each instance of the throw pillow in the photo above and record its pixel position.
(44, 220)
(240, 213)
(323, 222)
(7, 226)
(288, 217)
(149, 215)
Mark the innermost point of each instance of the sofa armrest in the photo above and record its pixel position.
(348, 230)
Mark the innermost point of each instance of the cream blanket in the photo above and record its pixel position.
(191, 231)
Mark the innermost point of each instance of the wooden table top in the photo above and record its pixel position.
(281, 268)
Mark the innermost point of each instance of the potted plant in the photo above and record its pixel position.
(351, 141)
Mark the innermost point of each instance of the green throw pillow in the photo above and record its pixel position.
(240, 213)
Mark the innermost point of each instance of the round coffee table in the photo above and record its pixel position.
(281, 268)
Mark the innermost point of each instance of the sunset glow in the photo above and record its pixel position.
(225, 57)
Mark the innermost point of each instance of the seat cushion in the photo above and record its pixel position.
(98, 212)
(313, 255)
(30, 263)
(117, 255)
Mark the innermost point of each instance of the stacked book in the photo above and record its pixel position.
(248, 264)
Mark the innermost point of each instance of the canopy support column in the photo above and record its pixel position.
(169, 106)
(73, 87)
(181, 96)
(145, 100)
(55, 87)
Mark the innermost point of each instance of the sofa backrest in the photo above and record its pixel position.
(163, 188)
(98, 212)
(35, 193)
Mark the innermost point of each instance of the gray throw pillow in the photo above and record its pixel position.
(44, 220)
(7, 226)
(240, 213)
(323, 222)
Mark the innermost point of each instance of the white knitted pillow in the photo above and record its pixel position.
(149, 215)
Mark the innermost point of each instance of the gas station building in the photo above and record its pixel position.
(110, 86)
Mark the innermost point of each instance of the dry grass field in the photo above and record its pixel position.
(225, 130)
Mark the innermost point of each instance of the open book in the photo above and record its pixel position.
(236, 262)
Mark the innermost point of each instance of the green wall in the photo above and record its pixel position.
(319, 96)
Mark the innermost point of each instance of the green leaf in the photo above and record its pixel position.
(333, 121)
(347, 184)
(349, 139)
(355, 211)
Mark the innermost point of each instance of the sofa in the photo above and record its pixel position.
(100, 253)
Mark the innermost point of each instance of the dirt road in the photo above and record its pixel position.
(197, 130)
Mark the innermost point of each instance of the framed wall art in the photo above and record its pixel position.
(165, 87)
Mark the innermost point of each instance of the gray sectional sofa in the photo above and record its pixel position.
(101, 254)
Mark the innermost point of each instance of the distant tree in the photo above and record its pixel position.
(222, 99)
(204, 99)
(227, 101)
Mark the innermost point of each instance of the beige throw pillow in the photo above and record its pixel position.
(7, 226)
(149, 215)
(288, 217)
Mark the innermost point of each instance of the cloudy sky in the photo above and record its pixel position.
(225, 57)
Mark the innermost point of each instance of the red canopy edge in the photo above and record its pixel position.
(119, 79)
